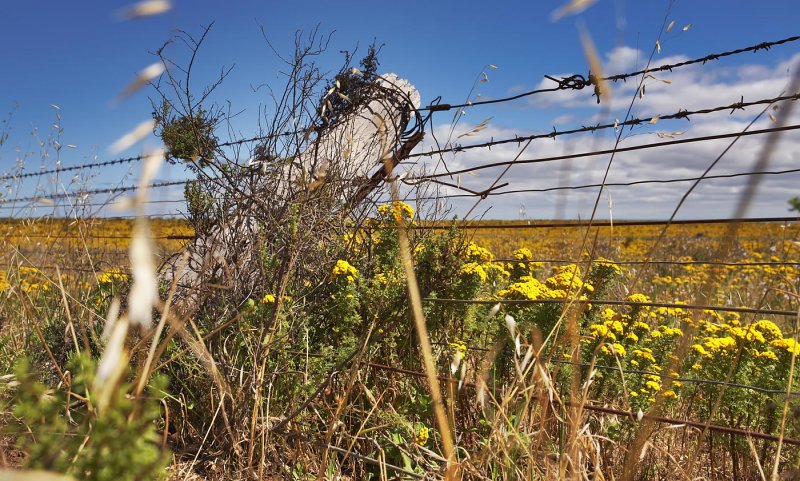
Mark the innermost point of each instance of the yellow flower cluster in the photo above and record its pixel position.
(566, 280)
(638, 298)
(670, 331)
(480, 265)
(563, 284)
(111, 275)
(645, 354)
(768, 329)
(32, 280)
(528, 288)
(720, 344)
(343, 269)
(3, 282)
(616, 348)
(522, 266)
(607, 267)
(789, 345)
(476, 253)
(723, 339)
(769, 355)
(459, 348)
(421, 436)
(523, 254)
(473, 269)
(397, 210)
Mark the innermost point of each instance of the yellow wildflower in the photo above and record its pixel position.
(618, 348)
(475, 270)
(638, 298)
(527, 288)
(523, 254)
(421, 436)
(768, 355)
(717, 344)
(699, 349)
(459, 349)
(670, 331)
(344, 269)
(787, 345)
(768, 328)
(397, 210)
(477, 253)
(653, 385)
(601, 331)
(644, 353)
(111, 275)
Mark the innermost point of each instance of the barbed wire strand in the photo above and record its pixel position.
(632, 148)
(82, 193)
(91, 204)
(600, 223)
(579, 82)
(517, 139)
(574, 82)
(59, 170)
(680, 114)
(493, 193)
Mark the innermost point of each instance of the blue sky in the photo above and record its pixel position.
(79, 55)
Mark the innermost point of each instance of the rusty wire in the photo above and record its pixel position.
(611, 302)
(619, 412)
(661, 262)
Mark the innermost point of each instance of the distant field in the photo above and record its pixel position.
(50, 241)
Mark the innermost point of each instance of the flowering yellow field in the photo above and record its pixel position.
(709, 310)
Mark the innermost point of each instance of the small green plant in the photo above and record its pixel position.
(200, 206)
(61, 431)
(794, 204)
(187, 137)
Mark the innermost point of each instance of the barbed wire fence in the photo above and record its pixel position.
(19, 207)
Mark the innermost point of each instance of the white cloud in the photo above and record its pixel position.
(689, 88)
